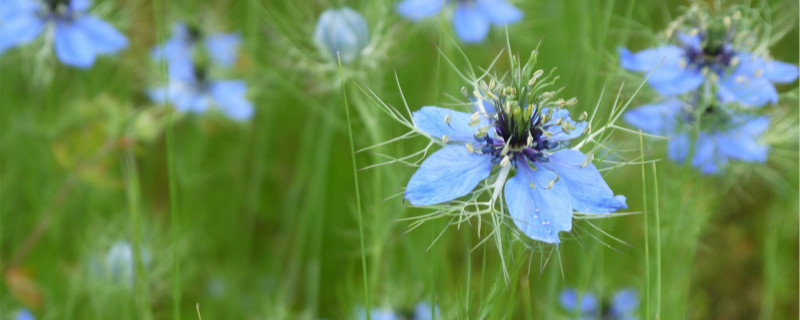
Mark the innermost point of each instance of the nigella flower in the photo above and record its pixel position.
(343, 31)
(190, 87)
(78, 37)
(471, 18)
(530, 134)
(723, 133)
(119, 263)
(422, 311)
(622, 306)
(709, 56)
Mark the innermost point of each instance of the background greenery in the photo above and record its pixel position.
(262, 220)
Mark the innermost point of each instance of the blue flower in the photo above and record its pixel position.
(342, 31)
(422, 311)
(471, 18)
(78, 37)
(376, 314)
(180, 51)
(622, 305)
(24, 314)
(551, 180)
(723, 134)
(190, 88)
(738, 75)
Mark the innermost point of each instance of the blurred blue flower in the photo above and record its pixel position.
(622, 306)
(723, 134)
(180, 50)
(190, 89)
(471, 18)
(375, 314)
(24, 314)
(119, 262)
(422, 311)
(551, 180)
(739, 76)
(78, 37)
(342, 30)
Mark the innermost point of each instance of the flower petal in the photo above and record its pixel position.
(104, 37)
(780, 72)
(222, 47)
(705, 156)
(588, 190)
(419, 9)
(678, 147)
(432, 121)
(742, 143)
(624, 302)
(447, 174)
(540, 213)
(422, 311)
(230, 98)
(73, 46)
(499, 12)
(654, 118)
(755, 92)
(470, 23)
(670, 76)
(569, 301)
(79, 5)
(19, 29)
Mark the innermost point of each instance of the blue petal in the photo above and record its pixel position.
(705, 155)
(540, 213)
(624, 302)
(73, 46)
(671, 76)
(419, 9)
(499, 12)
(431, 120)
(422, 311)
(588, 190)
(569, 301)
(678, 147)
(742, 143)
(487, 107)
(755, 92)
(24, 314)
(19, 29)
(655, 118)
(447, 174)
(222, 47)
(343, 32)
(780, 72)
(557, 131)
(230, 97)
(104, 37)
(79, 5)
(693, 42)
(470, 23)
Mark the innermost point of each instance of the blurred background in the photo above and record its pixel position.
(257, 219)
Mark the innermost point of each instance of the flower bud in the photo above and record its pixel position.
(343, 31)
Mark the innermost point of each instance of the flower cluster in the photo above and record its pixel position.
(190, 56)
(471, 18)
(711, 83)
(422, 311)
(78, 37)
(520, 127)
(622, 306)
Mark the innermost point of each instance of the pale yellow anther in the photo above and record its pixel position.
(550, 184)
(740, 79)
(759, 72)
(530, 184)
(694, 32)
(682, 63)
(704, 71)
(470, 148)
(734, 61)
(445, 139)
(583, 116)
(447, 118)
(572, 102)
(530, 140)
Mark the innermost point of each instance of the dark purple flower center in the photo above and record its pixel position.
(520, 135)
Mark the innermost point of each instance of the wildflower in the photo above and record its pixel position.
(471, 18)
(78, 37)
(422, 311)
(709, 56)
(24, 314)
(342, 31)
(622, 305)
(190, 87)
(723, 133)
(376, 314)
(119, 262)
(528, 133)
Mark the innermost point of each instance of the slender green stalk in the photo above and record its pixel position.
(358, 192)
(658, 245)
(646, 228)
(133, 194)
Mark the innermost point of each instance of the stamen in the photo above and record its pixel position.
(470, 148)
(447, 118)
